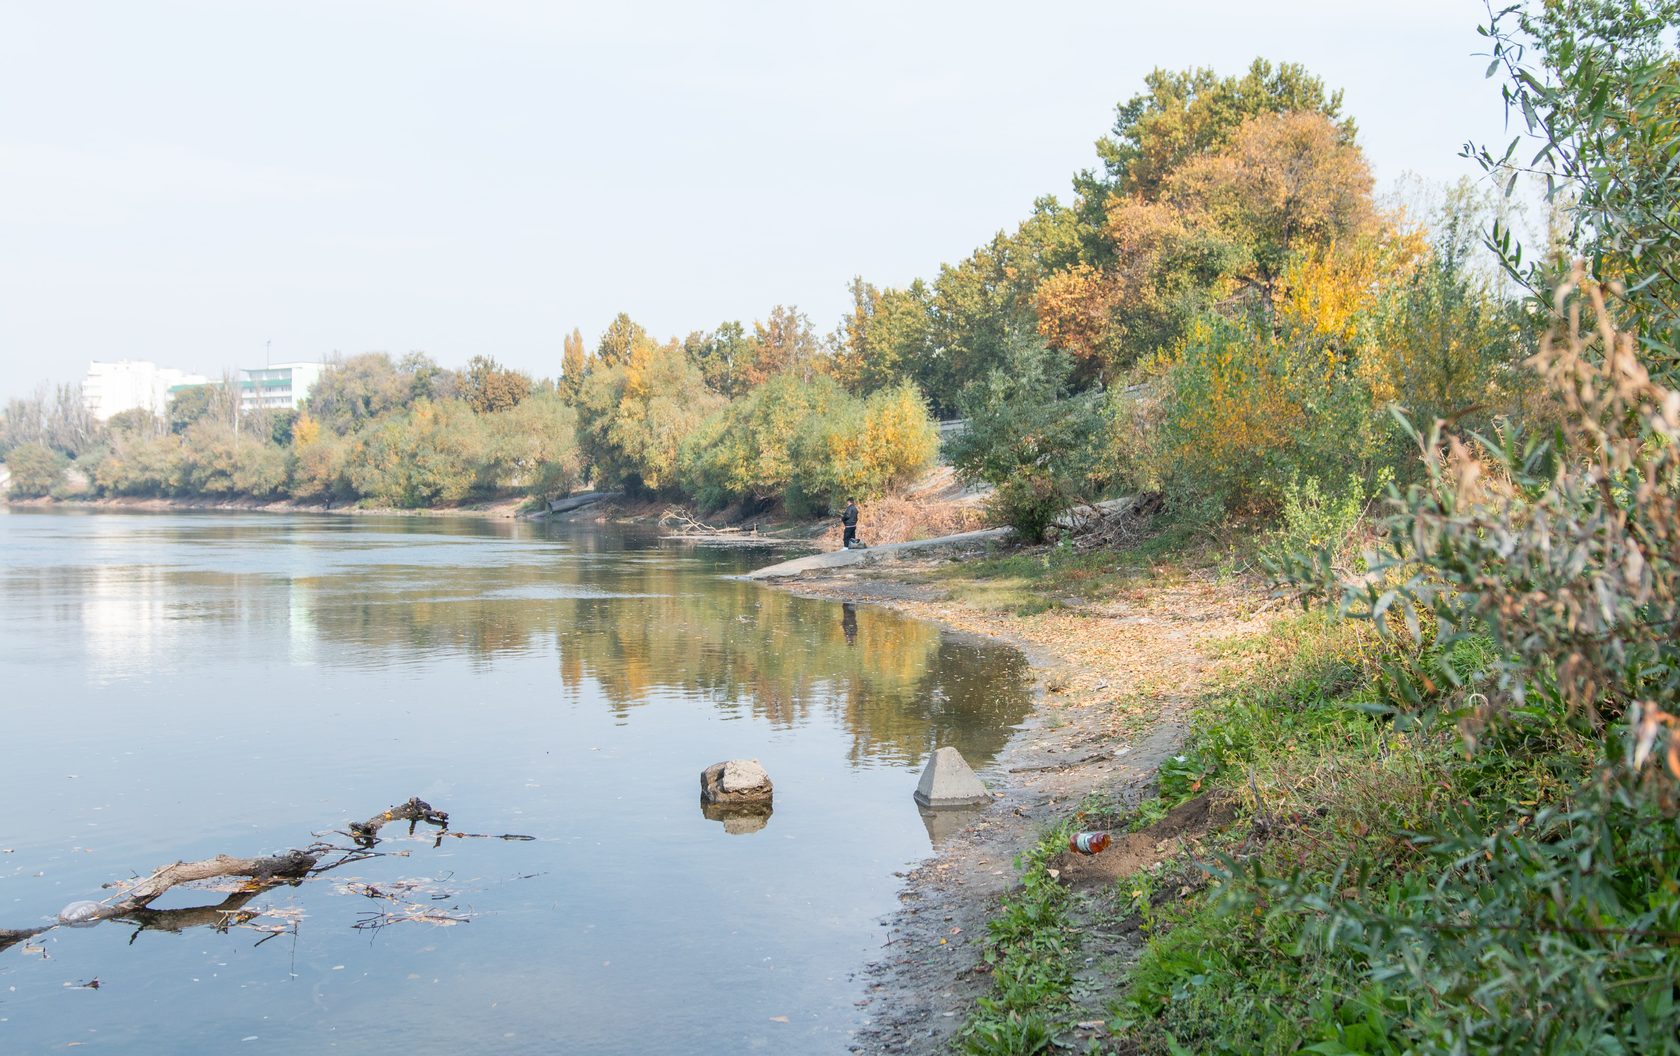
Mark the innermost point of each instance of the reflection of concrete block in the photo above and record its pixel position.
(948, 782)
(947, 822)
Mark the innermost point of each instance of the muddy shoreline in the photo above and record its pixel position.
(1079, 739)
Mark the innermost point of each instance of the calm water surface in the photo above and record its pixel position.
(178, 686)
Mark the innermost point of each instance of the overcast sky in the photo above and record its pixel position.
(184, 181)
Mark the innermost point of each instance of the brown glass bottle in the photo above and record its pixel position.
(1088, 842)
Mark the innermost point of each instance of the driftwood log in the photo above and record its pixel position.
(263, 872)
(10, 937)
(414, 811)
(260, 874)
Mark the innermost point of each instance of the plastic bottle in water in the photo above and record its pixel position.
(77, 913)
(1088, 842)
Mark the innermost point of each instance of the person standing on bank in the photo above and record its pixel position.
(848, 523)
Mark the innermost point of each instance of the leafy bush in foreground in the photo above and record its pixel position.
(1543, 920)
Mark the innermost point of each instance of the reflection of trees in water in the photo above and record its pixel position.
(900, 687)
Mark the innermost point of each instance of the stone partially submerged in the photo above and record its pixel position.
(737, 793)
(948, 781)
(736, 782)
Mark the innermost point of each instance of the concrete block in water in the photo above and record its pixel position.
(735, 781)
(949, 782)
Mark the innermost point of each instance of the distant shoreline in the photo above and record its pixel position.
(501, 509)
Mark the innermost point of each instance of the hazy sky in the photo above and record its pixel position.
(182, 181)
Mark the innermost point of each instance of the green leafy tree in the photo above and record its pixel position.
(1553, 550)
(350, 394)
(533, 447)
(746, 451)
(1039, 444)
(633, 416)
(136, 421)
(197, 403)
(36, 470)
(427, 380)
(1596, 84)
(885, 338)
(138, 464)
(726, 358)
(431, 454)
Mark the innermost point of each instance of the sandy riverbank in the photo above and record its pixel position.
(1116, 679)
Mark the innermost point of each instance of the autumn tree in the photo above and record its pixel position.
(574, 363)
(782, 341)
(431, 453)
(136, 421)
(884, 339)
(1225, 223)
(489, 387)
(1184, 114)
(633, 415)
(1284, 182)
(623, 338)
(534, 446)
(726, 357)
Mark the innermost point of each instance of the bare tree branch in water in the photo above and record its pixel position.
(414, 811)
(256, 875)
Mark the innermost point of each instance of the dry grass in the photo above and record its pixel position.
(895, 520)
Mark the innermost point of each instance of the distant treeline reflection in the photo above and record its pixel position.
(640, 626)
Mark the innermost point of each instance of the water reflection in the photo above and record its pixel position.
(195, 685)
(625, 619)
(946, 822)
(738, 819)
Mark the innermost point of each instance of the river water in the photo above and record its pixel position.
(177, 686)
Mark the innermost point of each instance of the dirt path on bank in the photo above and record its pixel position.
(1116, 679)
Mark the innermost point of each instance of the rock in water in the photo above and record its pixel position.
(734, 782)
(949, 782)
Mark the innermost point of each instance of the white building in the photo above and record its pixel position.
(111, 388)
(283, 386)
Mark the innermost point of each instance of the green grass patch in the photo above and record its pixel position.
(1031, 948)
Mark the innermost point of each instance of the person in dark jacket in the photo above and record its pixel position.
(848, 523)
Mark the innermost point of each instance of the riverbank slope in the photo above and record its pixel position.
(1124, 644)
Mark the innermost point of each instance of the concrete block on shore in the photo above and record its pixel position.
(948, 781)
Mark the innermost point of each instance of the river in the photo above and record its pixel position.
(178, 685)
